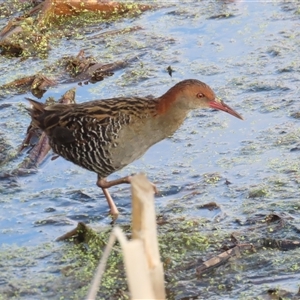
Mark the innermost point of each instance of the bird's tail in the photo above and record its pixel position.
(37, 112)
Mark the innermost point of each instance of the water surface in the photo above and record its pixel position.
(251, 59)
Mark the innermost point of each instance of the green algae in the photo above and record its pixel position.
(258, 192)
(66, 269)
(34, 37)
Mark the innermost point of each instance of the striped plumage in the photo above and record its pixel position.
(87, 133)
(103, 136)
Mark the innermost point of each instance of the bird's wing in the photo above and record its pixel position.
(101, 119)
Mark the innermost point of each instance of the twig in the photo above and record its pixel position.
(101, 267)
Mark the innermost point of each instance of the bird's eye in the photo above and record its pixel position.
(200, 95)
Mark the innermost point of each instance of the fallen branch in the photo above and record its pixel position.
(222, 258)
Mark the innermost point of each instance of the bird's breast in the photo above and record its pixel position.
(135, 139)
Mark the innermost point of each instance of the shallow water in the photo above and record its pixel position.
(251, 60)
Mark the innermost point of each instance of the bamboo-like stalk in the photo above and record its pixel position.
(144, 228)
(144, 269)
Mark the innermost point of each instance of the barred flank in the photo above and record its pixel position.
(81, 132)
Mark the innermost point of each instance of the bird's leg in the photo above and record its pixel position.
(104, 185)
(113, 208)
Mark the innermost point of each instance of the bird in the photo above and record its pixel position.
(104, 136)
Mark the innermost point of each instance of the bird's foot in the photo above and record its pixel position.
(114, 214)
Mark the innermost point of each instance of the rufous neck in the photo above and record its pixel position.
(167, 101)
(170, 113)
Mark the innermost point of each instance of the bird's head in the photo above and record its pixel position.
(193, 94)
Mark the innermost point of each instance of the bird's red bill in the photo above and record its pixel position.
(220, 105)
